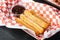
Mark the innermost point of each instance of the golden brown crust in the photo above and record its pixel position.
(27, 25)
(33, 24)
(33, 21)
(36, 19)
(39, 16)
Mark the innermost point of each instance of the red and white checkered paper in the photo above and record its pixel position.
(50, 13)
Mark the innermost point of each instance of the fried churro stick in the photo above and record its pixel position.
(34, 25)
(39, 16)
(36, 19)
(27, 25)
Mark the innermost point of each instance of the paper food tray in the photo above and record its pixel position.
(49, 12)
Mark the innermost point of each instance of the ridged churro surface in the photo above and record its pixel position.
(33, 21)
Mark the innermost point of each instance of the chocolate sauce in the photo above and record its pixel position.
(18, 10)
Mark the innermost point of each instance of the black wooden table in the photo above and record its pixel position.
(13, 34)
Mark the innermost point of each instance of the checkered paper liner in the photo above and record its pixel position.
(49, 12)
